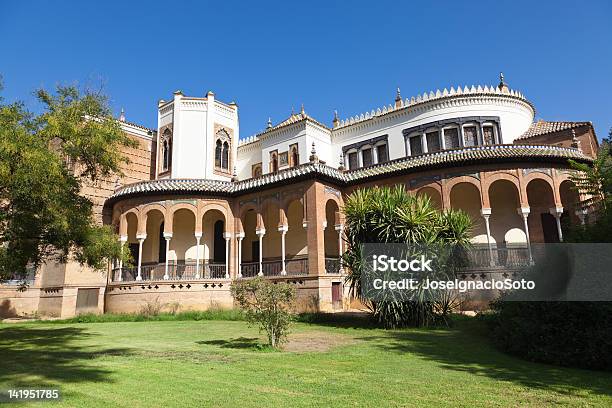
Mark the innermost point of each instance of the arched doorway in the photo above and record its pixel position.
(214, 244)
(466, 197)
(507, 227)
(570, 201)
(249, 257)
(332, 238)
(296, 240)
(542, 224)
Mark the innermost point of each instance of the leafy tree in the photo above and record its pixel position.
(594, 181)
(267, 304)
(44, 161)
(392, 215)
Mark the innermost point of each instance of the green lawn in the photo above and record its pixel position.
(219, 363)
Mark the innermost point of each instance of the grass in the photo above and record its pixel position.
(223, 364)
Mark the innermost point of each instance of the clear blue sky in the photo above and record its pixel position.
(328, 55)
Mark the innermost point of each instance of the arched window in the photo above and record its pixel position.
(295, 156)
(273, 162)
(165, 154)
(225, 156)
(166, 150)
(256, 170)
(222, 150)
(218, 153)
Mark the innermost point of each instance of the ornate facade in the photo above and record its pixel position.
(217, 208)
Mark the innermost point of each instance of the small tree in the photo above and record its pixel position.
(267, 304)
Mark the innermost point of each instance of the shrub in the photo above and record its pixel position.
(573, 334)
(151, 308)
(267, 304)
(392, 215)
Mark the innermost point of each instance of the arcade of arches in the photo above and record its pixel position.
(298, 230)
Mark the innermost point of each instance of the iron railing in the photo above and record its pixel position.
(181, 270)
(479, 257)
(296, 266)
(332, 265)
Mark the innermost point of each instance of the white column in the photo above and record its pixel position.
(240, 237)
(524, 212)
(260, 233)
(227, 236)
(340, 229)
(557, 212)
(461, 141)
(141, 238)
(198, 237)
(283, 230)
(486, 213)
(374, 155)
(123, 239)
(424, 142)
(582, 215)
(168, 237)
(442, 142)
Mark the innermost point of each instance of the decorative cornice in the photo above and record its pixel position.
(421, 102)
(445, 158)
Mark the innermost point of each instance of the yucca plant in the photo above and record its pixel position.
(393, 215)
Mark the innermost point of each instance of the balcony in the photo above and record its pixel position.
(332, 265)
(296, 266)
(181, 270)
(512, 257)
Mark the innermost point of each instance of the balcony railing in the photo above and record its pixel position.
(507, 256)
(296, 266)
(332, 265)
(181, 270)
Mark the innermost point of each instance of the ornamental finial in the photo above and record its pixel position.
(398, 99)
(503, 86)
(269, 125)
(313, 154)
(302, 109)
(122, 116)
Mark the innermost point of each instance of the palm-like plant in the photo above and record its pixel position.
(392, 215)
(594, 181)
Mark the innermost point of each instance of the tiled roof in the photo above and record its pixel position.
(450, 158)
(542, 128)
(293, 118)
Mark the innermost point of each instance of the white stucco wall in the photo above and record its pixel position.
(193, 120)
(193, 135)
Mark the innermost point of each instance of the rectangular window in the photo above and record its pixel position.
(451, 138)
(383, 154)
(353, 161)
(488, 135)
(470, 136)
(433, 141)
(366, 156)
(416, 147)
